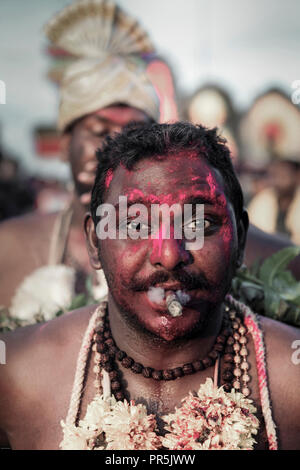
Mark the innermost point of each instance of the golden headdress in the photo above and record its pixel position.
(107, 45)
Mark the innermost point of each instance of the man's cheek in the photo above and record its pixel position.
(215, 262)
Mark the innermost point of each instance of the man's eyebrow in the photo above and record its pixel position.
(205, 198)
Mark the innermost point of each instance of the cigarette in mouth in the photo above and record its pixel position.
(173, 305)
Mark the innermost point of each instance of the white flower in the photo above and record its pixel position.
(46, 291)
(128, 427)
(96, 412)
(75, 438)
(213, 419)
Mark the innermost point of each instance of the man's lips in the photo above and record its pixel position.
(171, 286)
(160, 305)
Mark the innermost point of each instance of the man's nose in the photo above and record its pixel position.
(169, 253)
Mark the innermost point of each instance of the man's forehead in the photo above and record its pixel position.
(120, 114)
(168, 180)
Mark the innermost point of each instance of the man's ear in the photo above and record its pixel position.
(91, 242)
(65, 140)
(242, 230)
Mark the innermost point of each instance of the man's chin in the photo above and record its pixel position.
(158, 323)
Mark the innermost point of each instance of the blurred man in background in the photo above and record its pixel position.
(103, 89)
(277, 207)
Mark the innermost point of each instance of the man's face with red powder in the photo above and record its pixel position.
(132, 267)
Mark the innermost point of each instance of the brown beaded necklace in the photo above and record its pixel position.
(231, 341)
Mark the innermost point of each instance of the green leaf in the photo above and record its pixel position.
(78, 302)
(287, 286)
(89, 286)
(292, 316)
(254, 269)
(276, 263)
(272, 303)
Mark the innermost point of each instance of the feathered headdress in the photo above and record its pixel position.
(107, 45)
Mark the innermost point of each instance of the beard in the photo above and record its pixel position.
(131, 317)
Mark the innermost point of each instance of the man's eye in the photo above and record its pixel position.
(137, 226)
(197, 224)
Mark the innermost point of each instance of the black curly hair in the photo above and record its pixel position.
(139, 141)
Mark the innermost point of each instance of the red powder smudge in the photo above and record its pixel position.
(108, 178)
(211, 183)
(226, 234)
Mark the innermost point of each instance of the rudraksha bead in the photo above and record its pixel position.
(119, 395)
(228, 358)
(108, 366)
(213, 355)
(112, 351)
(105, 358)
(114, 375)
(157, 374)
(188, 368)
(219, 347)
(127, 362)
(136, 367)
(221, 339)
(115, 385)
(147, 372)
(167, 374)
(178, 372)
(227, 387)
(227, 375)
(121, 355)
(207, 362)
(198, 365)
(109, 342)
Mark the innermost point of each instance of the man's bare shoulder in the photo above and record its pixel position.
(282, 342)
(24, 243)
(29, 225)
(279, 338)
(39, 343)
(38, 358)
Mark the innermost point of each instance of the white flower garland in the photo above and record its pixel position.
(211, 419)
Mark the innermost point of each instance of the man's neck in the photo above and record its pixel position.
(156, 352)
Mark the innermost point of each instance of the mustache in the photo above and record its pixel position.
(187, 280)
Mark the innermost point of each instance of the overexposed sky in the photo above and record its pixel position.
(244, 46)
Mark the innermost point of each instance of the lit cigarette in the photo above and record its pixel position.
(173, 305)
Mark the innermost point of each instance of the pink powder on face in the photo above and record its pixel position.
(227, 228)
(108, 178)
(157, 243)
(212, 184)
